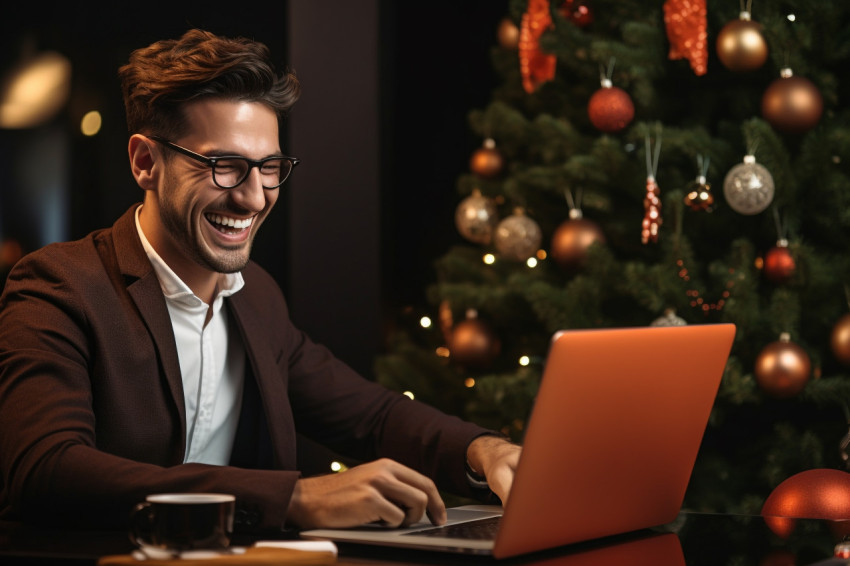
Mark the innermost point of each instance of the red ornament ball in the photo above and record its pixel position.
(792, 104)
(812, 494)
(779, 264)
(782, 368)
(839, 340)
(576, 12)
(571, 240)
(610, 109)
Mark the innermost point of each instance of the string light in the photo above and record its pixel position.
(489, 259)
(409, 394)
(531, 262)
(699, 302)
(443, 352)
(338, 467)
(469, 382)
(524, 360)
(425, 322)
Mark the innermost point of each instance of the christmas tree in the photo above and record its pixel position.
(672, 163)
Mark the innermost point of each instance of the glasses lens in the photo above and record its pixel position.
(275, 172)
(228, 173)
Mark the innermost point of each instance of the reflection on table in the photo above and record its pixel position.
(693, 539)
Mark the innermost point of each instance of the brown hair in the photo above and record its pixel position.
(159, 79)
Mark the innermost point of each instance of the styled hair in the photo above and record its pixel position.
(160, 79)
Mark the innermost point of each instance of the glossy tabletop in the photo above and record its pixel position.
(692, 539)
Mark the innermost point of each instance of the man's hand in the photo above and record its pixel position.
(382, 491)
(496, 459)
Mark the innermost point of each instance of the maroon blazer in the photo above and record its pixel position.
(91, 401)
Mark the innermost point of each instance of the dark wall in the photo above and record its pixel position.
(381, 129)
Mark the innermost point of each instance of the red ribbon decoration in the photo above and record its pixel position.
(652, 212)
(686, 30)
(536, 66)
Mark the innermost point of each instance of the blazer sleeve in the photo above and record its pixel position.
(352, 415)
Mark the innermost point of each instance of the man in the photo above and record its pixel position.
(153, 356)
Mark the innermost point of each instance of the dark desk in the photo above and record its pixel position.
(693, 539)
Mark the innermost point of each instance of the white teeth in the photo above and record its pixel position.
(230, 222)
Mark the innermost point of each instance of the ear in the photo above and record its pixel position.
(143, 161)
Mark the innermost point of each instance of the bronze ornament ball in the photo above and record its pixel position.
(486, 161)
(782, 368)
(839, 340)
(571, 240)
(792, 104)
(610, 109)
(741, 45)
(473, 344)
(508, 34)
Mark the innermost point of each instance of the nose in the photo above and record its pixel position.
(250, 194)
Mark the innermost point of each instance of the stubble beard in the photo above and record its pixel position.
(192, 245)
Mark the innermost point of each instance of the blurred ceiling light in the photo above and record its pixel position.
(35, 90)
(91, 123)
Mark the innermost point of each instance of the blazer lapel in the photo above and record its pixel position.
(272, 385)
(143, 287)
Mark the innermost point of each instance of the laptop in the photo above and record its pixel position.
(608, 449)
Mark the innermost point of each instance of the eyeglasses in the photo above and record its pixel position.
(230, 171)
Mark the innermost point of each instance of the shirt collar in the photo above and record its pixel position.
(172, 286)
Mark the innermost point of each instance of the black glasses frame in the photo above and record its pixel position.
(211, 162)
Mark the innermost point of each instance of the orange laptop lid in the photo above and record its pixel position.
(608, 449)
(614, 433)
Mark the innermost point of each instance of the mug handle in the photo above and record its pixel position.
(141, 521)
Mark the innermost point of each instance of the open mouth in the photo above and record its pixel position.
(228, 225)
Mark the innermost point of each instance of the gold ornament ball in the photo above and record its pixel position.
(792, 104)
(741, 45)
(782, 368)
(517, 237)
(486, 162)
(474, 344)
(839, 340)
(610, 109)
(508, 34)
(476, 218)
(571, 240)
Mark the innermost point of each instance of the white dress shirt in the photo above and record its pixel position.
(212, 365)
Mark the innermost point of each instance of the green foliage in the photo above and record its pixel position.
(555, 159)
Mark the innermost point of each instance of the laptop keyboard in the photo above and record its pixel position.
(479, 529)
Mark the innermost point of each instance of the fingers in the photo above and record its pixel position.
(412, 493)
(383, 491)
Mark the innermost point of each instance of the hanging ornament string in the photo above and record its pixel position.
(781, 229)
(652, 201)
(574, 204)
(686, 25)
(535, 66)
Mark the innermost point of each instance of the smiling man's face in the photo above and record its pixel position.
(197, 227)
